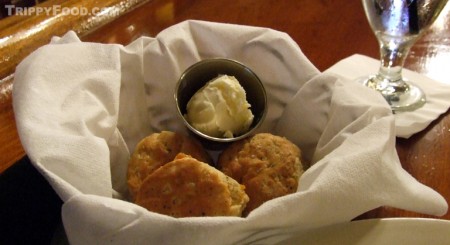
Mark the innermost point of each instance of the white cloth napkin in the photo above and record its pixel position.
(81, 108)
(406, 123)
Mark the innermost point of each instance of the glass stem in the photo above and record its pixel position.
(392, 60)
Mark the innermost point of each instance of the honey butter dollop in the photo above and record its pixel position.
(220, 108)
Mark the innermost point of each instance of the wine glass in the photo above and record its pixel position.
(397, 24)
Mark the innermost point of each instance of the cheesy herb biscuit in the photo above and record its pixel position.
(187, 187)
(156, 150)
(267, 165)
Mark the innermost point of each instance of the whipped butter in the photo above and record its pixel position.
(220, 108)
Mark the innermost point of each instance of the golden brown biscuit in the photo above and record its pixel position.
(187, 187)
(268, 166)
(156, 150)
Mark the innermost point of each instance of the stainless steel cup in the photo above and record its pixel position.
(197, 75)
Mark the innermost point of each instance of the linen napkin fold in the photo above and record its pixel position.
(406, 123)
(82, 107)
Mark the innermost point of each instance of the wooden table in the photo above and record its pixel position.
(326, 31)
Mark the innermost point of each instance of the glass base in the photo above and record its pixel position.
(401, 96)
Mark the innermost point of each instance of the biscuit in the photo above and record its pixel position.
(187, 187)
(269, 166)
(156, 150)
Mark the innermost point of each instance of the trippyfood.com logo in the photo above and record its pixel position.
(54, 10)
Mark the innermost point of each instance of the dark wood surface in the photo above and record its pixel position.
(326, 31)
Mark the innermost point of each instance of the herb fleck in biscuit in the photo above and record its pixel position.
(156, 150)
(187, 187)
(267, 165)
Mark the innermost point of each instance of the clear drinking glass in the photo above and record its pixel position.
(397, 24)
